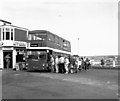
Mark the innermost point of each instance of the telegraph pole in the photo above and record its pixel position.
(78, 45)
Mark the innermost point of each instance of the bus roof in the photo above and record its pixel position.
(43, 32)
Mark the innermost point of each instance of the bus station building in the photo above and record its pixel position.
(13, 43)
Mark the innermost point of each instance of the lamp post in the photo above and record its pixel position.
(78, 45)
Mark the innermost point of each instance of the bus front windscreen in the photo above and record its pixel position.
(36, 55)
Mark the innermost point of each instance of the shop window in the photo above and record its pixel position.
(20, 58)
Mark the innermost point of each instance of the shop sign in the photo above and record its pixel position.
(19, 44)
(7, 48)
(7, 43)
(33, 45)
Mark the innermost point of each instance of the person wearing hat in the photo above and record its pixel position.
(7, 59)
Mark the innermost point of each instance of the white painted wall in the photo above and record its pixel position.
(1, 59)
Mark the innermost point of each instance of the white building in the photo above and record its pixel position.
(13, 43)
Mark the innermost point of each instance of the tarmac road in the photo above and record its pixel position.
(92, 84)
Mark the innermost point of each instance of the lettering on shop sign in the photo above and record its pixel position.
(4, 48)
(33, 45)
(18, 44)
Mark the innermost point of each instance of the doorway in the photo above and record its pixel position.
(8, 59)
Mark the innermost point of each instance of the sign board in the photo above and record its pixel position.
(19, 44)
(33, 45)
(7, 43)
(7, 48)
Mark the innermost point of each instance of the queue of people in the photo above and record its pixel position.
(67, 64)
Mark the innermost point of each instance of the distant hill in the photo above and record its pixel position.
(105, 57)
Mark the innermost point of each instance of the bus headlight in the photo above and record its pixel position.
(26, 64)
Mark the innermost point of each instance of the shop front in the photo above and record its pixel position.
(13, 43)
(12, 54)
(7, 57)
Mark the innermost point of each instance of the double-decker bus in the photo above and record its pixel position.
(42, 44)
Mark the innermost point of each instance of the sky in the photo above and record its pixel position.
(90, 25)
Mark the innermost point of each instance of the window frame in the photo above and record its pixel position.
(5, 31)
(8, 35)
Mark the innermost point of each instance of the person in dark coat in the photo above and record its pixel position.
(87, 63)
(61, 64)
(102, 62)
(82, 63)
